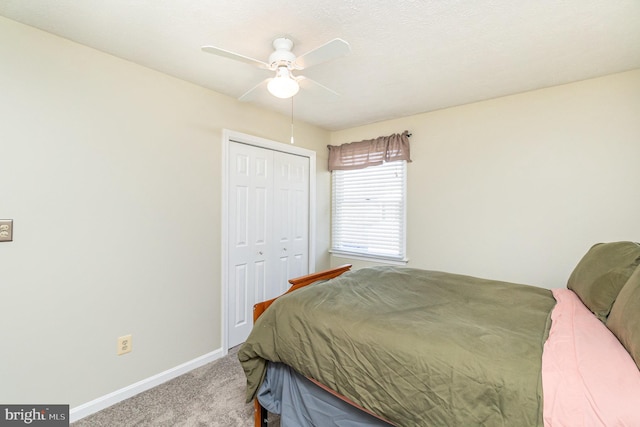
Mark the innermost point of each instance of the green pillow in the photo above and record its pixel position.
(624, 320)
(601, 274)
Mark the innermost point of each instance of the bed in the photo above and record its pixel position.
(409, 347)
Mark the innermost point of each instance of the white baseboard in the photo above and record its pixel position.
(103, 402)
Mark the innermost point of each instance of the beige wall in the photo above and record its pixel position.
(518, 188)
(111, 173)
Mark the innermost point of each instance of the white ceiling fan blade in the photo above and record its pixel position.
(308, 83)
(250, 95)
(232, 55)
(328, 51)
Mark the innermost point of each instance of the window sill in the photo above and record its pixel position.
(360, 257)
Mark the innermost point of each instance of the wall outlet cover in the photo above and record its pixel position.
(124, 344)
(6, 230)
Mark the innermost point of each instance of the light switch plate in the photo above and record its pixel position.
(6, 230)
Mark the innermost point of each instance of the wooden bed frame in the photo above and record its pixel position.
(260, 414)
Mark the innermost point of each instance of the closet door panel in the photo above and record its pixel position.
(250, 215)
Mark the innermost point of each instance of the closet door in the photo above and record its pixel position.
(268, 214)
(250, 214)
(290, 219)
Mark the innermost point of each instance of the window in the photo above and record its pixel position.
(368, 211)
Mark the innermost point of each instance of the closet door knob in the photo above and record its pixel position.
(259, 252)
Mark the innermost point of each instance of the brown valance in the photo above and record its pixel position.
(370, 152)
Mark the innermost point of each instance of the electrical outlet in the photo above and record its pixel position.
(124, 344)
(6, 230)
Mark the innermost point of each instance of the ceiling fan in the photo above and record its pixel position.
(283, 61)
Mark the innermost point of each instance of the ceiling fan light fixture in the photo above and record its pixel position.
(283, 85)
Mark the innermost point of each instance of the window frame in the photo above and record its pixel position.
(337, 248)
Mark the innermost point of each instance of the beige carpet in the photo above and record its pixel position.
(211, 396)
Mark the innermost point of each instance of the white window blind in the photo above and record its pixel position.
(368, 211)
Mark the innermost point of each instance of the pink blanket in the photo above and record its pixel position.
(588, 377)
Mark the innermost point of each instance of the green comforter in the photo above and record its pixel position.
(418, 348)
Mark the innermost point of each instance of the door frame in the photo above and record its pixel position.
(228, 137)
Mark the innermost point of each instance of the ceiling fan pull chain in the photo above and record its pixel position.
(292, 119)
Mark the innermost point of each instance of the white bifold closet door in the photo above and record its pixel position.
(268, 229)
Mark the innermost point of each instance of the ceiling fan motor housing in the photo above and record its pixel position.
(282, 54)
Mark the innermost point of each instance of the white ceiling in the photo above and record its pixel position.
(407, 57)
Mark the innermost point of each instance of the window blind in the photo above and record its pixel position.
(368, 211)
